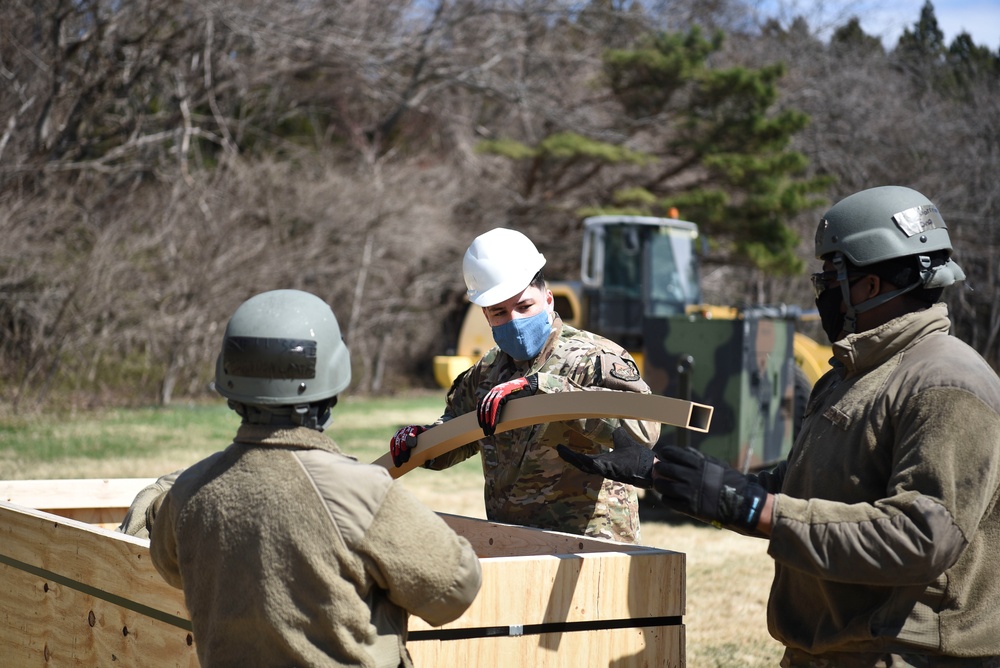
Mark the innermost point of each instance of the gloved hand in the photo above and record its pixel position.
(629, 462)
(488, 410)
(139, 518)
(707, 489)
(404, 441)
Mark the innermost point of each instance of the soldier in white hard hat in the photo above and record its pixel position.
(289, 552)
(526, 482)
(884, 522)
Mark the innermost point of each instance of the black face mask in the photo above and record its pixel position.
(828, 304)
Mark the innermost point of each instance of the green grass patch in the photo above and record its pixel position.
(148, 442)
(117, 433)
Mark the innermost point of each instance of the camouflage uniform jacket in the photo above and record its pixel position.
(527, 483)
(886, 529)
(291, 553)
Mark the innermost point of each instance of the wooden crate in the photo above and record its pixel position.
(79, 594)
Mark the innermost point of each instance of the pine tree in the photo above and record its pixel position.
(683, 133)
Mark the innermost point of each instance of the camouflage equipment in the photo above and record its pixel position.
(744, 368)
(526, 482)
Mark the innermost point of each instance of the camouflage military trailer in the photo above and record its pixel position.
(639, 286)
(744, 367)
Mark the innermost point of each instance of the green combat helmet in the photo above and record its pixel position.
(283, 360)
(882, 224)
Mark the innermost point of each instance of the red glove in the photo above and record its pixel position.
(488, 410)
(404, 441)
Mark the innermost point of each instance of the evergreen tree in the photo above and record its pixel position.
(971, 63)
(682, 133)
(952, 70)
(851, 38)
(920, 52)
(926, 41)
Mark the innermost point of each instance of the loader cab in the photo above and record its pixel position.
(637, 267)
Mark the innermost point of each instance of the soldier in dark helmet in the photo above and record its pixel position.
(883, 522)
(289, 552)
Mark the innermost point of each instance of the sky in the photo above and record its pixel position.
(888, 18)
(979, 18)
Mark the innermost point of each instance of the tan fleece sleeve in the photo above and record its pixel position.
(426, 568)
(163, 543)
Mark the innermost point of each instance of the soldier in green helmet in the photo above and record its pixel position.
(526, 482)
(289, 552)
(883, 522)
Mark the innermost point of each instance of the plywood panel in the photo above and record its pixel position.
(495, 539)
(99, 502)
(575, 588)
(659, 647)
(47, 623)
(112, 562)
(76, 595)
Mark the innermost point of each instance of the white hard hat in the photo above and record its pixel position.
(498, 265)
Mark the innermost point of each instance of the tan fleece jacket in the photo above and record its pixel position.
(293, 554)
(886, 530)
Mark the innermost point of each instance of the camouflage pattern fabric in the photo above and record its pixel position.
(526, 482)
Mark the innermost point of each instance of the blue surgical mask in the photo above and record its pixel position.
(523, 338)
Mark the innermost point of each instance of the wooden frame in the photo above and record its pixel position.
(75, 594)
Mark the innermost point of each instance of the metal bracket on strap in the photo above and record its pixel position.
(556, 407)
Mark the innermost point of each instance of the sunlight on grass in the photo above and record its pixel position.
(152, 441)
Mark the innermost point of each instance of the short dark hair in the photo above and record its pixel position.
(538, 281)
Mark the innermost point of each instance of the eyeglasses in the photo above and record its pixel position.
(825, 280)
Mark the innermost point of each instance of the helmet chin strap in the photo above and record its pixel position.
(851, 316)
(302, 415)
(308, 415)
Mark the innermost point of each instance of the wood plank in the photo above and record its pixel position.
(105, 518)
(495, 539)
(74, 493)
(119, 565)
(558, 407)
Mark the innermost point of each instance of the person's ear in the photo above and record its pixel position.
(874, 285)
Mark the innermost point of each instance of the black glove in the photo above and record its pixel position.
(707, 489)
(629, 462)
(488, 410)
